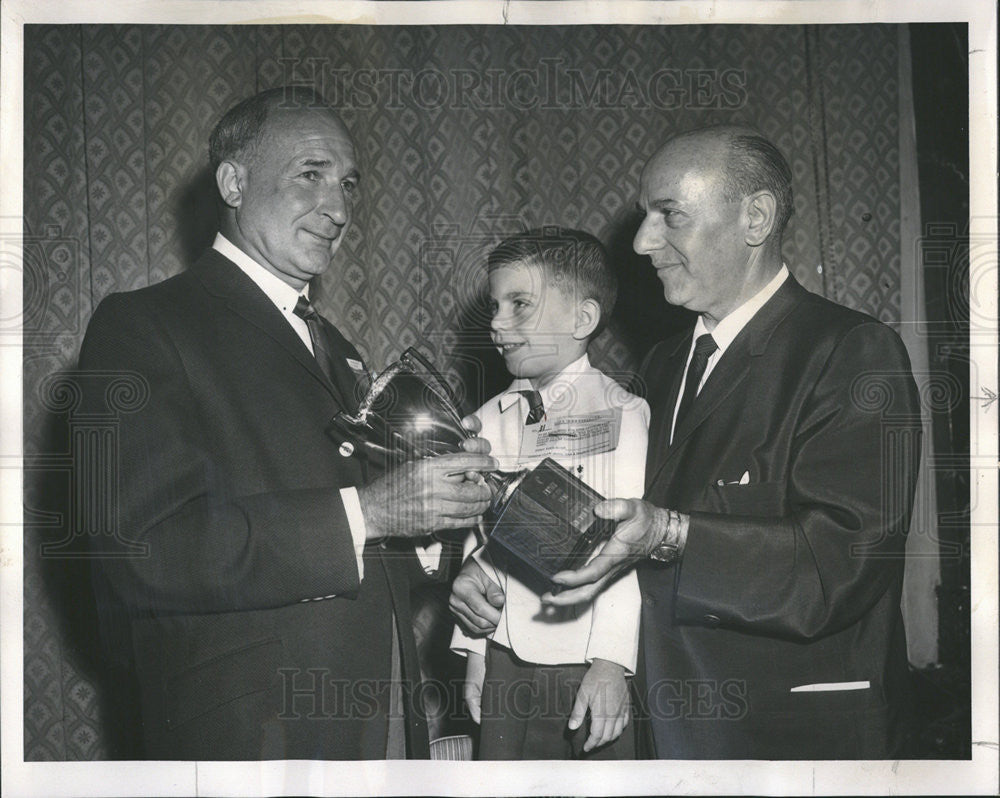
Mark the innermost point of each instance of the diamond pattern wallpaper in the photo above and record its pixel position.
(464, 134)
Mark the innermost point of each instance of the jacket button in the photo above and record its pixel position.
(712, 620)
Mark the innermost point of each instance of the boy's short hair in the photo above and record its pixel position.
(574, 261)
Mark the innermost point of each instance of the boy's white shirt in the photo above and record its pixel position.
(609, 628)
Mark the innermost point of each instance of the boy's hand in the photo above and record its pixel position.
(475, 600)
(472, 691)
(604, 692)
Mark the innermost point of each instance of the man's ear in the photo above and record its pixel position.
(229, 180)
(761, 210)
(588, 316)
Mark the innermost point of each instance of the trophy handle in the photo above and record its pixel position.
(411, 356)
(374, 392)
(420, 387)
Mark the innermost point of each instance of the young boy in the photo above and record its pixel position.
(545, 669)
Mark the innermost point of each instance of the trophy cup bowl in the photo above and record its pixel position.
(540, 521)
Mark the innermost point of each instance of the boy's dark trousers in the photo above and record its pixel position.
(525, 709)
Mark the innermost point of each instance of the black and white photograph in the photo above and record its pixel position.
(499, 398)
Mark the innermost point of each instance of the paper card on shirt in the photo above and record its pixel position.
(572, 436)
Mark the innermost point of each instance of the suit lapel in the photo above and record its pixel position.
(224, 279)
(731, 370)
(352, 384)
(672, 370)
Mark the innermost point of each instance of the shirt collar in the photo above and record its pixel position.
(552, 392)
(278, 291)
(725, 331)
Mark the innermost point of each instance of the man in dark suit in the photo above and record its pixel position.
(270, 618)
(783, 453)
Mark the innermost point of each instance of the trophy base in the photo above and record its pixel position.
(547, 525)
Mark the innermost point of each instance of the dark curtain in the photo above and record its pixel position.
(464, 134)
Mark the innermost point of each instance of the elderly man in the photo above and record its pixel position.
(783, 451)
(270, 619)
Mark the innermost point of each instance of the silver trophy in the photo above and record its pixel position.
(540, 521)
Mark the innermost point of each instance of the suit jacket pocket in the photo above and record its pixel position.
(221, 680)
(759, 498)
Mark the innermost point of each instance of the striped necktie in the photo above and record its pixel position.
(330, 349)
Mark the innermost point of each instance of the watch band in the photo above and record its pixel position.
(671, 545)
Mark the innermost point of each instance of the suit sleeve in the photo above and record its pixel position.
(834, 542)
(207, 551)
(614, 628)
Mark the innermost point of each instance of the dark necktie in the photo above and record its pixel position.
(536, 410)
(704, 348)
(331, 351)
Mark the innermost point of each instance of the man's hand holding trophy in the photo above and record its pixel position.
(539, 521)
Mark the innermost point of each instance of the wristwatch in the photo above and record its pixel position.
(666, 552)
(672, 544)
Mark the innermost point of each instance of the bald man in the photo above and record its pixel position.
(270, 618)
(782, 460)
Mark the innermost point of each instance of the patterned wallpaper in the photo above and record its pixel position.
(464, 134)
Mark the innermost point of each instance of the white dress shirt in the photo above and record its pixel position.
(609, 627)
(725, 333)
(284, 298)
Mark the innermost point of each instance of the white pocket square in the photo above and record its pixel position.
(744, 480)
(827, 687)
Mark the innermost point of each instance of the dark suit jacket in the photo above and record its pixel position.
(229, 475)
(793, 579)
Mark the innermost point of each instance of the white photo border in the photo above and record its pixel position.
(976, 776)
